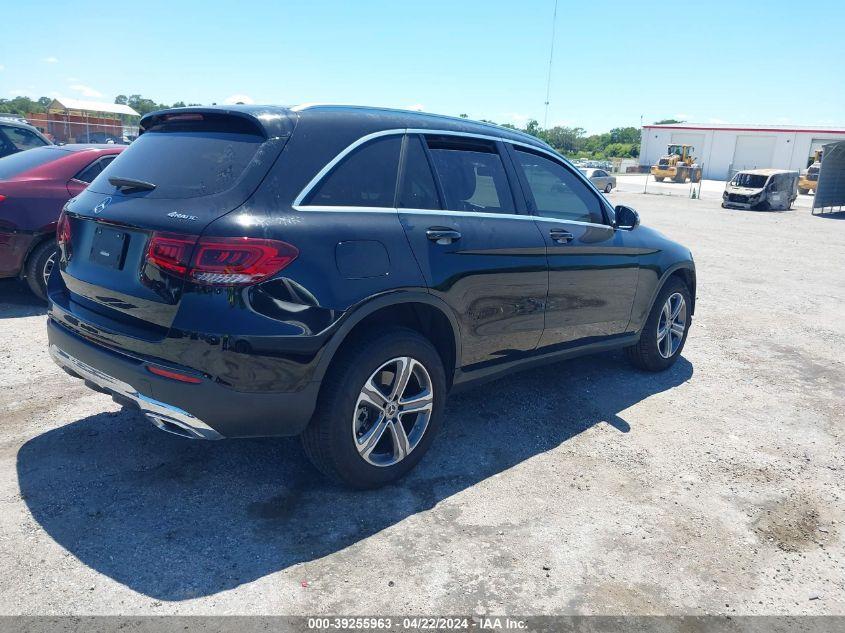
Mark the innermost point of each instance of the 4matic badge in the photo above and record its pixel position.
(181, 216)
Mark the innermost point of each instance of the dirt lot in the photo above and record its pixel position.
(583, 487)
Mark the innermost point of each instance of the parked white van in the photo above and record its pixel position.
(761, 190)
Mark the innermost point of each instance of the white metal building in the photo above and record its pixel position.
(723, 149)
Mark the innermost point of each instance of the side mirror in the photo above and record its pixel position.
(626, 218)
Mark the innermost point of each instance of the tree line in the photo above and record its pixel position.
(24, 105)
(574, 142)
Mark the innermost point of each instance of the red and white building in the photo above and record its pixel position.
(723, 149)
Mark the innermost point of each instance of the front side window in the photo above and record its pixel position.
(364, 178)
(471, 174)
(557, 192)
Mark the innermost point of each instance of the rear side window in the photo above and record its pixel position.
(364, 178)
(417, 190)
(557, 192)
(471, 175)
(16, 164)
(187, 159)
(93, 170)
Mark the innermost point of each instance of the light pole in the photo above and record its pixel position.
(551, 57)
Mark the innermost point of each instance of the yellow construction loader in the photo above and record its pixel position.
(678, 165)
(809, 179)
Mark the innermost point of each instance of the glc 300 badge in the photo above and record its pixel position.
(181, 216)
(101, 207)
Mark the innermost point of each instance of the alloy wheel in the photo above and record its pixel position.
(48, 268)
(671, 325)
(392, 411)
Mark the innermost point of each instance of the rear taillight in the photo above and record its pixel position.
(219, 260)
(239, 260)
(171, 252)
(2, 197)
(63, 230)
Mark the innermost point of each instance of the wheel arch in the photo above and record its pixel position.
(685, 271)
(37, 240)
(418, 310)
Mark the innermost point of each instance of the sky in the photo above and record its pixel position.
(614, 61)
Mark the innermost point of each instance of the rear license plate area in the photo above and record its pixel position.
(108, 248)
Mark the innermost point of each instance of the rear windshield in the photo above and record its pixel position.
(16, 164)
(183, 164)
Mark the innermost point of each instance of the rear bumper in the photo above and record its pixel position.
(207, 410)
(163, 415)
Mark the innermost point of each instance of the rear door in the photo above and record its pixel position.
(600, 179)
(592, 271)
(477, 248)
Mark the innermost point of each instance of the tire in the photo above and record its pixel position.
(608, 187)
(344, 416)
(645, 354)
(38, 265)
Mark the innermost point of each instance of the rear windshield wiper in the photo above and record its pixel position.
(130, 184)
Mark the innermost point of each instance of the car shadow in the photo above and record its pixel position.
(175, 519)
(17, 300)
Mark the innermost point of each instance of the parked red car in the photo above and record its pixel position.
(34, 186)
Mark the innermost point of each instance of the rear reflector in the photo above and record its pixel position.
(173, 375)
(219, 260)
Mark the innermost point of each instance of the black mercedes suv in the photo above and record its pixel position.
(333, 272)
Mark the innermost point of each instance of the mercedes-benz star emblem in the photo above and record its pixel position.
(101, 207)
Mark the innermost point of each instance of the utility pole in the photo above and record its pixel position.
(551, 57)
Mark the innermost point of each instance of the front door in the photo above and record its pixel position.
(476, 250)
(592, 272)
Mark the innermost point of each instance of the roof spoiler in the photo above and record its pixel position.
(268, 122)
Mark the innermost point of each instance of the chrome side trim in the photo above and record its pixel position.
(325, 209)
(444, 213)
(508, 216)
(298, 206)
(164, 416)
(334, 161)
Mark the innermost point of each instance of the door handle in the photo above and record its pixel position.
(442, 235)
(561, 236)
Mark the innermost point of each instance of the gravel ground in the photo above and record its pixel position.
(582, 487)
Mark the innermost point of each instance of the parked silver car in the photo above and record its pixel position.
(600, 178)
